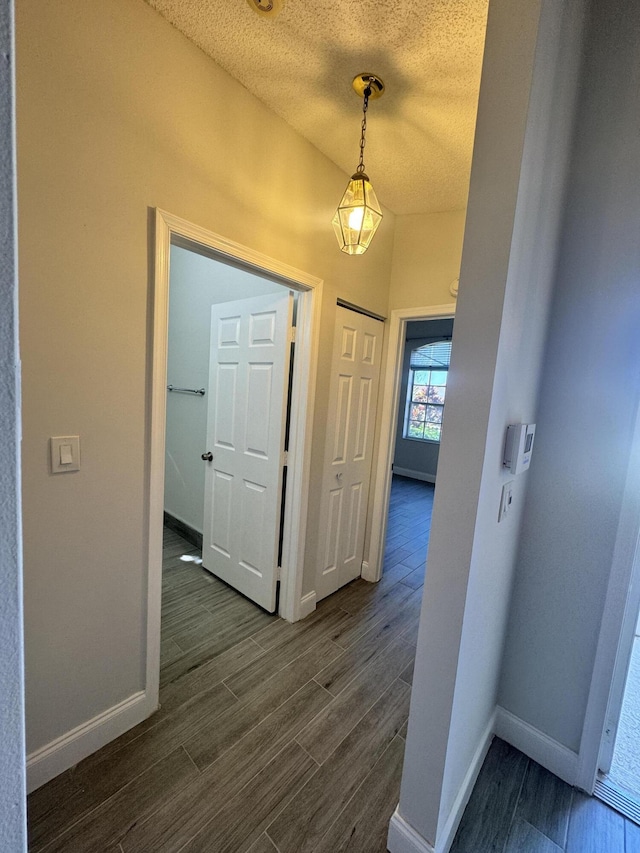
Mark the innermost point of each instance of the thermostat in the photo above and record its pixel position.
(518, 447)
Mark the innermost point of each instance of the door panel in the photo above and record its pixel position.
(221, 513)
(343, 406)
(353, 397)
(245, 432)
(353, 528)
(223, 414)
(362, 428)
(259, 403)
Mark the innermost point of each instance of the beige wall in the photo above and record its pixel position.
(427, 252)
(117, 114)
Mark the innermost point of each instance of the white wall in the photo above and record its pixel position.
(117, 114)
(13, 836)
(517, 183)
(196, 283)
(589, 394)
(411, 454)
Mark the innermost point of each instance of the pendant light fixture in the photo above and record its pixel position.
(358, 215)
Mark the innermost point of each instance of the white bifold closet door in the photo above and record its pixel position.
(248, 381)
(353, 396)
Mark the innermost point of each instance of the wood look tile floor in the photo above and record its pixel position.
(519, 807)
(279, 738)
(270, 737)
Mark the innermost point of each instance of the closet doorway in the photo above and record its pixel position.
(228, 361)
(226, 373)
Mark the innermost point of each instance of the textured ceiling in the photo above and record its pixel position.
(301, 63)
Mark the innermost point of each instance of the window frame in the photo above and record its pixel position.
(409, 401)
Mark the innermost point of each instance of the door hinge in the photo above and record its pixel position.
(292, 334)
(278, 572)
(285, 458)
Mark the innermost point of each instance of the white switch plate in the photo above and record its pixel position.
(506, 500)
(65, 453)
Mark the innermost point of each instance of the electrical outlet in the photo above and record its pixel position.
(506, 500)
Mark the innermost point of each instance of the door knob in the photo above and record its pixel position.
(207, 457)
(339, 475)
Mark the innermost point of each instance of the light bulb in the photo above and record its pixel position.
(355, 218)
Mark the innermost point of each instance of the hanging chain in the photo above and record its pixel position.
(363, 130)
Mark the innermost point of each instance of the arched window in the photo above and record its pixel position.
(428, 370)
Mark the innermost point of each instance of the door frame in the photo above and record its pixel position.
(168, 229)
(392, 379)
(619, 617)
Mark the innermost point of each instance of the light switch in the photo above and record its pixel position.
(65, 453)
(506, 500)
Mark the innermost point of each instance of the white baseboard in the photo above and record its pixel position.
(403, 838)
(553, 756)
(366, 572)
(415, 475)
(450, 827)
(63, 752)
(307, 603)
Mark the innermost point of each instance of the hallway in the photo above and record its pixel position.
(267, 732)
(280, 738)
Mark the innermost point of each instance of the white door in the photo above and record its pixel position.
(248, 380)
(355, 373)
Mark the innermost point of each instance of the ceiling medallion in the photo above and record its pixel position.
(266, 8)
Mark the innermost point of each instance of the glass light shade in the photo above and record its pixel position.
(358, 216)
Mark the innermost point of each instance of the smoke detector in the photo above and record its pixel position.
(266, 8)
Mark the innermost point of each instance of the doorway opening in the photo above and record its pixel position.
(228, 360)
(223, 371)
(618, 781)
(423, 380)
(390, 524)
(607, 765)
